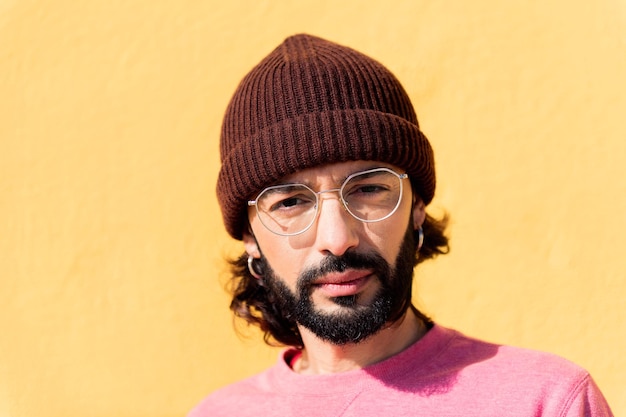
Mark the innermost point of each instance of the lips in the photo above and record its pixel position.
(343, 284)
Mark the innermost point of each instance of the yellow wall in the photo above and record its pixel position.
(111, 241)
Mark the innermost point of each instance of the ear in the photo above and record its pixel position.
(250, 244)
(419, 213)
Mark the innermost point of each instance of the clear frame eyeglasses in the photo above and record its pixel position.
(291, 209)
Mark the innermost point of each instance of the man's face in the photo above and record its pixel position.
(342, 279)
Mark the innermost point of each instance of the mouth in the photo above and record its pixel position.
(343, 284)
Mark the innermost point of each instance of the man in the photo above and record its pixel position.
(325, 178)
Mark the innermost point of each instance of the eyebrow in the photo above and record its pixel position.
(283, 188)
(341, 180)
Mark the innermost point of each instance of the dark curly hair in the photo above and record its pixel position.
(256, 305)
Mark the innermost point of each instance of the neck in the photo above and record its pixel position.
(322, 357)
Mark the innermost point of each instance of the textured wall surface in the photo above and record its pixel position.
(111, 242)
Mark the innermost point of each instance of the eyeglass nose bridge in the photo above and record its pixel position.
(318, 195)
(331, 190)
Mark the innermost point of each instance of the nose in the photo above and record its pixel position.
(336, 228)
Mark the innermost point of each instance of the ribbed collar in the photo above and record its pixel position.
(420, 356)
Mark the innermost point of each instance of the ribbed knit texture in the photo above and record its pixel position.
(312, 102)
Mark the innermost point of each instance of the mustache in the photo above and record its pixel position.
(349, 260)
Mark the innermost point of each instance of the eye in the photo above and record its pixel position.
(299, 201)
(368, 188)
(286, 200)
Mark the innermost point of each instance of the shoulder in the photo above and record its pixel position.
(479, 355)
(232, 399)
(509, 374)
(248, 396)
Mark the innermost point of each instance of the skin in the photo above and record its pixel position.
(336, 232)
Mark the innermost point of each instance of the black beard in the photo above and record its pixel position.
(354, 322)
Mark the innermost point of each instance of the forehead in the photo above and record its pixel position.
(334, 173)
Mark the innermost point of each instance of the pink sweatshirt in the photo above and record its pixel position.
(443, 374)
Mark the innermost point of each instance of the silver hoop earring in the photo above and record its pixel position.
(251, 268)
(420, 238)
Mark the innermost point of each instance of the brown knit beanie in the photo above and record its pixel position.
(312, 102)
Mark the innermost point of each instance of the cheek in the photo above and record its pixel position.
(284, 260)
(386, 242)
(387, 236)
(286, 264)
